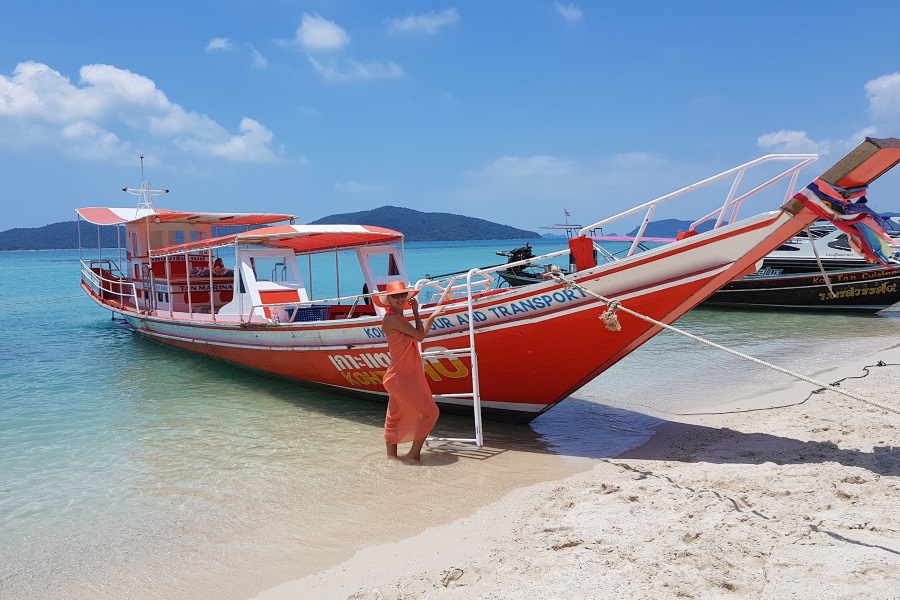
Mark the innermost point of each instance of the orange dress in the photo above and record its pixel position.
(411, 411)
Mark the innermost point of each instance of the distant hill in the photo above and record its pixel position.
(57, 236)
(670, 227)
(421, 226)
(415, 225)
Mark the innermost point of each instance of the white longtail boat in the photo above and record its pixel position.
(512, 353)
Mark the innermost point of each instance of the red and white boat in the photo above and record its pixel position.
(512, 352)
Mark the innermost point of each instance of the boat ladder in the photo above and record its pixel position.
(147, 288)
(464, 444)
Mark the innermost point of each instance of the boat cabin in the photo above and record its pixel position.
(180, 265)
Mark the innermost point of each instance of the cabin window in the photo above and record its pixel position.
(195, 235)
(179, 237)
(383, 264)
(841, 242)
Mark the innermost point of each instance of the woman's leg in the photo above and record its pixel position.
(391, 450)
(415, 451)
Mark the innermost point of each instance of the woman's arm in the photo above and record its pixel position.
(394, 322)
(423, 329)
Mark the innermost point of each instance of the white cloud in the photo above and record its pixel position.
(252, 145)
(219, 45)
(569, 12)
(317, 34)
(357, 187)
(884, 98)
(259, 61)
(352, 70)
(87, 141)
(424, 24)
(786, 141)
(39, 106)
(883, 94)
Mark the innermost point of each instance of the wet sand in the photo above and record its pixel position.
(791, 494)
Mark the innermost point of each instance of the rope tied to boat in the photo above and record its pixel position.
(616, 305)
(609, 317)
(819, 262)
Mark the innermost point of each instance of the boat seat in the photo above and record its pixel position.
(341, 311)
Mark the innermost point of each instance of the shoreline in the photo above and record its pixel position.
(778, 497)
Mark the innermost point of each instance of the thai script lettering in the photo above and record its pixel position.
(852, 292)
(363, 368)
(369, 368)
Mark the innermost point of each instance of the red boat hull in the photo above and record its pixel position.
(536, 345)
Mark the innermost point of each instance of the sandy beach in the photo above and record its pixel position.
(791, 495)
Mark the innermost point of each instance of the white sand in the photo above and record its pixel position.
(795, 502)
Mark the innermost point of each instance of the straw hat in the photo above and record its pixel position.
(394, 287)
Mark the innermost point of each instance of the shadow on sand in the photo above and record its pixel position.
(685, 442)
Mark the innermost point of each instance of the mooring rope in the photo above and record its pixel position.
(819, 262)
(612, 322)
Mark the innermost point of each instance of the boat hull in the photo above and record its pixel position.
(535, 345)
(792, 286)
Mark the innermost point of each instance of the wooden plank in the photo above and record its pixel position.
(865, 163)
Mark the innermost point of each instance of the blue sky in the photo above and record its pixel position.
(510, 111)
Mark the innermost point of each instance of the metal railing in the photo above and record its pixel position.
(101, 285)
(732, 202)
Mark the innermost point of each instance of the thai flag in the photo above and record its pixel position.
(567, 213)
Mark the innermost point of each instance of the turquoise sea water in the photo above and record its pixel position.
(121, 459)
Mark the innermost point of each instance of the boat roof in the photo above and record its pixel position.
(99, 215)
(560, 226)
(299, 238)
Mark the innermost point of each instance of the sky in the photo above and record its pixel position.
(510, 111)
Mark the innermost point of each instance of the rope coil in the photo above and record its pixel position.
(615, 305)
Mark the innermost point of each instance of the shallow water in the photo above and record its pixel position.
(130, 469)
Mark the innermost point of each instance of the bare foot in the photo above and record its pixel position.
(410, 460)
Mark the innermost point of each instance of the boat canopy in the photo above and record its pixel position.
(299, 238)
(117, 216)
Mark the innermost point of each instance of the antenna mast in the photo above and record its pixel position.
(145, 194)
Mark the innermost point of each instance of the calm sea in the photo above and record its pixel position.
(128, 469)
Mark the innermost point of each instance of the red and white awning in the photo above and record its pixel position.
(117, 216)
(299, 238)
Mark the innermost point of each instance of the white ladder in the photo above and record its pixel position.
(471, 444)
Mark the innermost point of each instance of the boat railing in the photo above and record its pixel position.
(728, 212)
(449, 288)
(458, 285)
(315, 309)
(92, 274)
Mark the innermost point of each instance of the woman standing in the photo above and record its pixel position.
(411, 411)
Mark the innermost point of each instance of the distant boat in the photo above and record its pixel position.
(509, 353)
(793, 278)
